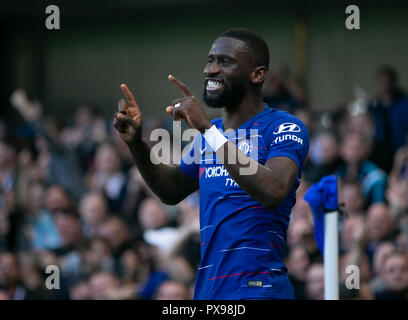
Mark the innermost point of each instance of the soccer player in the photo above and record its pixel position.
(244, 215)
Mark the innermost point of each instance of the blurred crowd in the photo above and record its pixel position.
(71, 196)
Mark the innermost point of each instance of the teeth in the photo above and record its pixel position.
(213, 84)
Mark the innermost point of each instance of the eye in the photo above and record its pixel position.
(210, 59)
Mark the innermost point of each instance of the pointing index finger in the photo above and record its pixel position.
(186, 91)
(128, 95)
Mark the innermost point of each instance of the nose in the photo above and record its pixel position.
(212, 69)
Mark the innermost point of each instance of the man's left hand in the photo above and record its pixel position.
(188, 108)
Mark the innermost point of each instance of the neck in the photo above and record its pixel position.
(234, 116)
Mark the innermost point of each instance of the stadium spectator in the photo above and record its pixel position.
(315, 282)
(298, 265)
(84, 136)
(96, 256)
(10, 279)
(390, 114)
(108, 177)
(300, 232)
(281, 90)
(172, 290)
(395, 276)
(56, 198)
(39, 222)
(356, 167)
(323, 156)
(380, 226)
(384, 249)
(58, 164)
(154, 221)
(119, 238)
(93, 211)
(350, 195)
(4, 229)
(103, 286)
(352, 232)
(80, 291)
(7, 166)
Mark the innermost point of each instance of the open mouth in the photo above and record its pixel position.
(213, 85)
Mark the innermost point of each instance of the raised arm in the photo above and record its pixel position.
(168, 182)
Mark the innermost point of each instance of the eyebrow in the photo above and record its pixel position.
(221, 55)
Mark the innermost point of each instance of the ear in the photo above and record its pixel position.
(258, 75)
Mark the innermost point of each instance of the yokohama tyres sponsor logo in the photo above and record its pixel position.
(214, 172)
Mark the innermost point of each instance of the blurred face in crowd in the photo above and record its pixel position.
(315, 282)
(361, 123)
(352, 198)
(304, 116)
(395, 272)
(152, 214)
(107, 160)
(325, 148)
(4, 223)
(383, 250)
(7, 155)
(298, 262)
(56, 198)
(349, 229)
(93, 209)
(80, 291)
(115, 232)
(46, 258)
(171, 290)
(135, 181)
(189, 212)
(301, 209)
(68, 227)
(402, 242)
(35, 197)
(354, 149)
(130, 261)
(300, 230)
(379, 222)
(83, 116)
(102, 285)
(303, 187)
(41, 144)
(9, 270)
(329, 147)
(98, 251)
(4, 295)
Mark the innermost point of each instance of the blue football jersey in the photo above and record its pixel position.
(241, 240)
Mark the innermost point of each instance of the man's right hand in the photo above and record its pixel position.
(128, 120)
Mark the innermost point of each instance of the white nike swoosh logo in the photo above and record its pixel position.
(202, 150)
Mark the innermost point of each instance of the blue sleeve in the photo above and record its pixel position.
(378, 191)
(289, 138)
(190, 162)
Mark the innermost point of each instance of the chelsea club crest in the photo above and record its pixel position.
(245, 146)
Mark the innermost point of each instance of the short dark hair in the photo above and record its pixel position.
(254, 41)
(388, 71)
